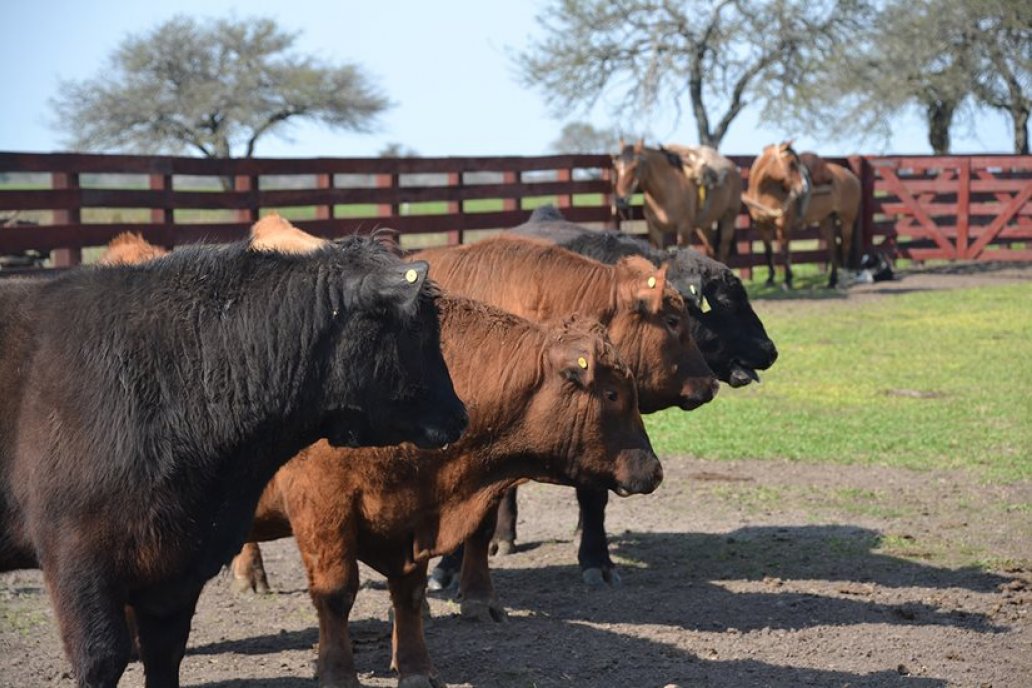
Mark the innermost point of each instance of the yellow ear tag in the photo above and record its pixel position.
(691, 287)
(702, 194)
(411, 276)
(652, 282)
(582, 362)
(704, 305)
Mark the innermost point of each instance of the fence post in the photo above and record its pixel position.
(455, 236)
(388, 181)
(249, 183)
(71, 256)
(511, 178)
(564, 200)
(963, 208)
(163, 215)
(324, 211)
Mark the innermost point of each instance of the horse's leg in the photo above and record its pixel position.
(475, 587)
(504, 540)
(249, 570)
(163, 641)
(828, 232)
(91, 615)
(766, 233)
(409, 655)
(593, 553)
(783, 228)
(725, 235)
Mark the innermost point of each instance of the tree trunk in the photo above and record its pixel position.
(1020, 116)
(940, 116)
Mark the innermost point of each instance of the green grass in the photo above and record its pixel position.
(920, 380)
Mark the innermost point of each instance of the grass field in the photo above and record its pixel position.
(919, 380)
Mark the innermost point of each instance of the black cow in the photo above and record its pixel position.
(723, 323)
(146, 407)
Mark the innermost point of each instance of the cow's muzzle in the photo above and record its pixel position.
(639, 472)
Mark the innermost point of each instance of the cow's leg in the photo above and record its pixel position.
(409, 656)
(447, 570)
(90, 611)
(249, 570)
(162, 639)
(593, 554)
(332, 568)
(504, 539)
(475, 587)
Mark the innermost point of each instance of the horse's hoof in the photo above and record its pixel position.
(599, 577)
(483, 610)
(421, 681)
(787, 286)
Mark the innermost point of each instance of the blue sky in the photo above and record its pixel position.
(445, 64)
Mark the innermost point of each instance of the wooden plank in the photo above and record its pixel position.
(894, 183)
(987, 234)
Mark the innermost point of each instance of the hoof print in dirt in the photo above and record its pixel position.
(421, 681)
(600, 578)
(483, 610)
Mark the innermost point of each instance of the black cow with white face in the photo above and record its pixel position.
(145, 408)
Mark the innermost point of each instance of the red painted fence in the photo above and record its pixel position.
(918, 207)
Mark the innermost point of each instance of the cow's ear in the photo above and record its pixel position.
(650, 291)
(403, 283)
(574, 364)
(390, 239)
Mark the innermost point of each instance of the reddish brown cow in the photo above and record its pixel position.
(129, 248)
(552, 404)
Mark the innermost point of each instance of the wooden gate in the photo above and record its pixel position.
(953, 208)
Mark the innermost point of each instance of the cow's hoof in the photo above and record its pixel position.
(441, 579)
(242, 586)
(503, 547)
(599, 578)
(340, 682)
(483, 610)
(421, 681)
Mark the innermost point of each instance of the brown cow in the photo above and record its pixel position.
(540, 281)
(552, 404)
(129, 248)
(787, 191)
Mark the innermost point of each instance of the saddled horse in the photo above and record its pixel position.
(788, 191)
(684, 193)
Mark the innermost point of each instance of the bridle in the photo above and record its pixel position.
(622, 207)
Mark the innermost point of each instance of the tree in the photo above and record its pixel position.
(651, 52)
(938, 57)
(582, 137)
(213, 89)
(1003, 30)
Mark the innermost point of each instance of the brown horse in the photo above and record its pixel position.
(686, 190)
(783, 195)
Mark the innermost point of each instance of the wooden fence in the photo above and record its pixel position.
(922, 208)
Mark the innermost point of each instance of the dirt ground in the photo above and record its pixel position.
(743, 573)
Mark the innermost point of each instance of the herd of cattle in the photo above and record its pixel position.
(165, 413)
(697, 191)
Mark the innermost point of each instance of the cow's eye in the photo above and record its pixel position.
(611, 395)
(673, 322)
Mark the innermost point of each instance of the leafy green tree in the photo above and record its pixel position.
(716, 57)
(213, 88)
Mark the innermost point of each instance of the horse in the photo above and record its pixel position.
(687, 190)
(788, 190)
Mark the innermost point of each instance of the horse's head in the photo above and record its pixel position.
(625, 174)
(783, 166)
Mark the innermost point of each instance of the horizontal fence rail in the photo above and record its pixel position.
(916, 207)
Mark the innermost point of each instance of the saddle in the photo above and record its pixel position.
(820, 175)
